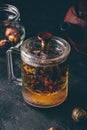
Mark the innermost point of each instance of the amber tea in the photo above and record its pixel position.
(45, 86)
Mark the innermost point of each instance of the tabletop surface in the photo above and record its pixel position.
(16, 114)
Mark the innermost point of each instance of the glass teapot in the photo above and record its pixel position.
(12, 33)
(44, 70)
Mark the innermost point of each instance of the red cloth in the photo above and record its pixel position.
(71, 17)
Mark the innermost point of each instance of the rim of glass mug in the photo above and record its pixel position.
(35, 60)
(11, 13)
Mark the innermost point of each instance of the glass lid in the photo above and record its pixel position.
(47, 47)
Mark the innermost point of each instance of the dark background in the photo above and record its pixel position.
(38, 16)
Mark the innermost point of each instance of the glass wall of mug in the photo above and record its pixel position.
(12, 32)
(44, 71)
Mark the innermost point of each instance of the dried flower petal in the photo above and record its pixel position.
(13, 38)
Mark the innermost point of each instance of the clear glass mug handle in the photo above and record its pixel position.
(10, 67)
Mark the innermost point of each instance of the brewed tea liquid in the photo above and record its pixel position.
(45, 86)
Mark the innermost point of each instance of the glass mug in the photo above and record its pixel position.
(12, 33)
(44, 70)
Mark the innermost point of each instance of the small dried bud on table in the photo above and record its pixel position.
(79, 114)
(52, 128)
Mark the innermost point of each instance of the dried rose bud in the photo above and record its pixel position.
(2, 42)
(14, 38)
(79, 114)
(44, 38)
(12, 34)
